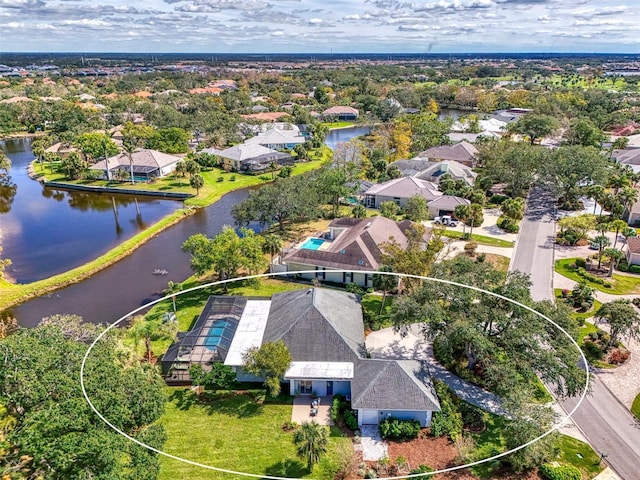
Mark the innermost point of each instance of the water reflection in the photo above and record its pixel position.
(8, 191)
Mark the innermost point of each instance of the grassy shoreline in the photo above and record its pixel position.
(12, 294)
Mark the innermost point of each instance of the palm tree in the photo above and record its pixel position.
(475, 213)
(172, 289)
(271, 244)
(384, 282)
(596, 192)
(615, 256)
(311, 440)
(141, 328)
(616, 226)
(462, 213)
(129, 146)
(37, 147)
(627, 197)
(197, 182)
(180, 170)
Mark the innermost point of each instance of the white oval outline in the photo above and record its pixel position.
(401, 275)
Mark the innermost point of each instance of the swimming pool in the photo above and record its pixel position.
(312, 244)
(216, 334)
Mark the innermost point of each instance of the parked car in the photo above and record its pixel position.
(447, 220)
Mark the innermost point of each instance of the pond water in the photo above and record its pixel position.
(46, 231)
(130, 283)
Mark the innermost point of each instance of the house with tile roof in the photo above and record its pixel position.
(278, 139)
(462, 152)
(250, 157)
(341, 113)
(353, 244)
(147, 164)
(324, 332)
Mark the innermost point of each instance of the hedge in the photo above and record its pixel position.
(396, 429)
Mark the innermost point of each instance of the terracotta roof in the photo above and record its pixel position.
(357, 244)
(341, 110)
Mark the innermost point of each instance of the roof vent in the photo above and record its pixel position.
(360, 262)
(342, 251)
(367, 225)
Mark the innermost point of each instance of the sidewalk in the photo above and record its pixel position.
(608, 474)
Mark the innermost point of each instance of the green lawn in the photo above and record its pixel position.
(339, 124)
(208, 194)
(239, 432)
(488, 443)
(622, 284)
(189, 305)
(579, 315)
(580, 455)
(635, 407)
(480, 239)
(371, 307)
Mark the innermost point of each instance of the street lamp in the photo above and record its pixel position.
(602, 457)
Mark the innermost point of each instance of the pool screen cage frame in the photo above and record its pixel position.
(221, 317)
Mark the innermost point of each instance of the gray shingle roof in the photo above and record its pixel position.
(449, 167)
(393, 385)
(317, 324)
(633, 244)
(144, 159)
(405, 187)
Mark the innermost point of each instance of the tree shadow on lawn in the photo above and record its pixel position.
(287, 468)
(240, 406)
(184, 399)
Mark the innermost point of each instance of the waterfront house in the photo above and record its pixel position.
(324, 332)
(250, 158)
(341, 113)
(147, 164)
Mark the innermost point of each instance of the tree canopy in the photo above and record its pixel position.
(269, 361)
(54, 433)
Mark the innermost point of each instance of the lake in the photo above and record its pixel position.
(46, 231)
(130, 283)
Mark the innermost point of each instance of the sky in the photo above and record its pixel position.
(320, 26)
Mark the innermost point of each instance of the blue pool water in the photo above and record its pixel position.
(312, 244)
(214, 337)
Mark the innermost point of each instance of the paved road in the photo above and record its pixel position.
(609, 427)
(534, 247)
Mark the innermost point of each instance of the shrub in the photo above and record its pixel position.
(618, 356)
(507, 224)
(355, 288)
(592, 349)
(232, 178)
(351, 420)
(470, 248)
(497, 198)
(220, 179)
(623, 266)
(421, 469)
(561, 472)
(289, 426)
(636, 302)
(397, 429)
(581, 263)
(634, 269)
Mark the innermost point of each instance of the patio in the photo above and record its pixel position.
(302, 410)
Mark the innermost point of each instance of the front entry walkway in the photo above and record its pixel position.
(302, 410)
(373, 447)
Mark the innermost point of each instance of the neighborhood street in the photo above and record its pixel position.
(606, 423)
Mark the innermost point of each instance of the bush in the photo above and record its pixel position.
(289, 426)
(497, 198)
(470, 248)
(592, 349)
(220, 179)
(448, 421)
(421, 469)
(618, 356)
(396, 429)
(561, 472)
(355, 288)
(623, 266)
(581, 263)
(351, 420)
(232, 178)
(634, 269)
(636, 302)
(507, 224)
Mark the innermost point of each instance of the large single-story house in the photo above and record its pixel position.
(350, 244)
(633, 251)
(147, 164)
(632, 215)
(341, 113)
(455, 170)
(456, 137)
(462, 152)
(278, 139)
(628, 156)
(399, 190)
(324, 332)
(250, 158)
(412, 166)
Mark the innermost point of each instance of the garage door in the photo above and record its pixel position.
(369, 417)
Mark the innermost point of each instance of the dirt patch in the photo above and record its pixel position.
(436, 452)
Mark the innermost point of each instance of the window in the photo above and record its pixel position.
(305, 387)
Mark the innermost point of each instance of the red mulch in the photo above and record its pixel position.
(440, 453)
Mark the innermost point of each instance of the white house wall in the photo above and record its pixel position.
(374, 417)
(319, 387)
(329, 275)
